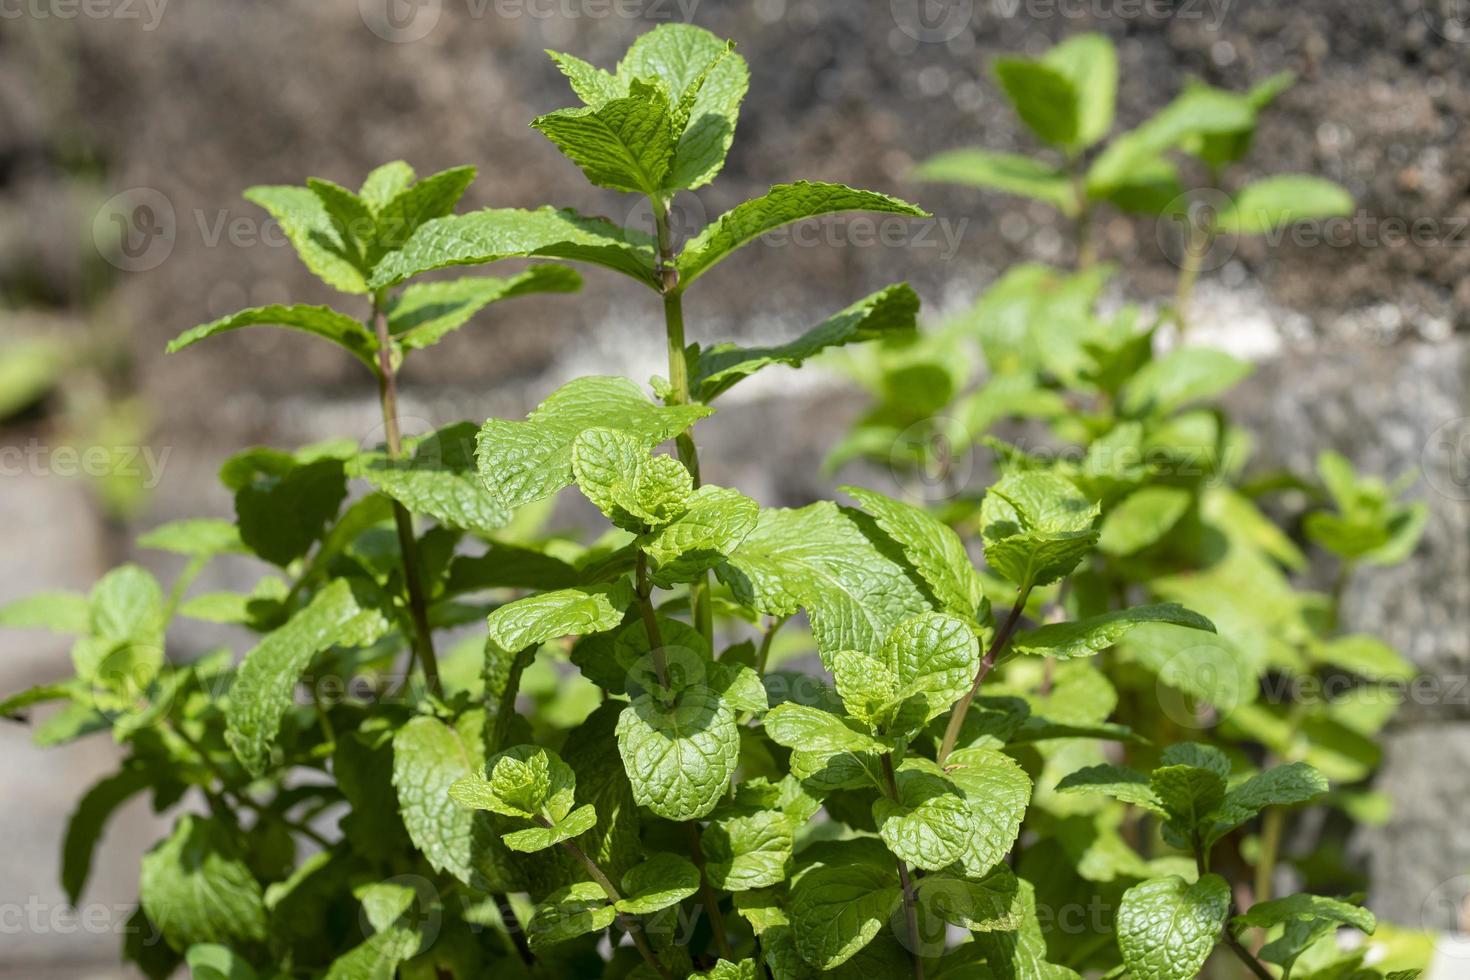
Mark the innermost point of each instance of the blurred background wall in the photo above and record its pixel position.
(128, 129)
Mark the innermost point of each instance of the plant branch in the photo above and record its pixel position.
(1246, 956)
(764, 654)
(997, 646)
(513, 927)
(707, 895)
(910, 901)
(423, 639)
(629, 923)
(644, 589)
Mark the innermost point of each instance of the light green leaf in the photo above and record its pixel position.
(809, 729)
(1367, 656)
(1167, 927)
(1142, 518)
(425, 313)
(521, 462)
(867, 686)
(634, 490)
(1199, 755)
(706, 82)
(208, 961)
(60, 612)
(197, 538)
(385, 183)
(591, 84)
(429, 758)
(781, 205)
(838, 909)
(1203, 665)
(933, 657)
(725, 970)
(1085, 637)
(716, 522)
(1287, 785)
(283, 501)
(997, 791)
(508, 233)
(1198, 110)
(1090, 63)
(824, 559)
(932, 547)
(313, 233)
(1306, 918)
(1119, 782)
(1021, 955)
(1181, 377)
(626, 144)
(890, 311)
(568, 913)
(985, 905)
(1009, 172)
(748, 851)
(263, 687)
(533, 839)
(1037, 526)
(85, 825)
(525, 781)
(663, 880)
(547, 616)
(126, 606)
(433, 197)
(197, 889)
(1275, 202)
(929, 825)
(1188, 794)
(1043, 96)
(378, 957)
(679, 757)
(439, 480)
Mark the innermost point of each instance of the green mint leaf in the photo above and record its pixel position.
(929, 824)
(988, 904)
(379, 956)
(59, 612)
(706, 82)
(1197, 111)
(1008, 172)
(632, 489)
(40, 694)
(1275, 202)
(1021, 955)
(283, 502)
(1203, 665)
(426, 313)
(208, 961)
(626, 144)
(429, 757)
(867, 686)
(385, 183)
(1142, 519)
(440, 480)
(1198, 755)
(351, 217)
(997, 791)
(824, 559)
(1119, 782)
(126, 606)
(1167, 927)
(1181, 377)
(524, 461)
(266, 681)
(314, 234)
(709, 531)
(1090, 63)
(524, 781)
(1085, 637)
(197, 889)
(568, 913)
(617, 660)
(196, 538)
(781, 205)
(934, 658)
(592, 85)
(1288, 785)
(812, 730)
(725, 970)
(1366, 656)
(1037, 527)
(510, 233)
(748, 851)
(1188, 794)
(1044, 96)
(537, 619)
(533, 839)
(679, 758)
(84, 827)
(1033, 318)
(836, 910)
(889, 312)
(1306, 919)
(663, 880)
(399, 217)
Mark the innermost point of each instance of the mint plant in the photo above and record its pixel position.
(680, 801)
(1067, 99)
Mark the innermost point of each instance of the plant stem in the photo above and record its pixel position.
(1246, 956)
(513, 927)
(629, 923)
(997, 646)
(423, 639)
(1272, 825)
(707, 895)
(910, 903)
(644, 590)
(679, 393)
(764, 654)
